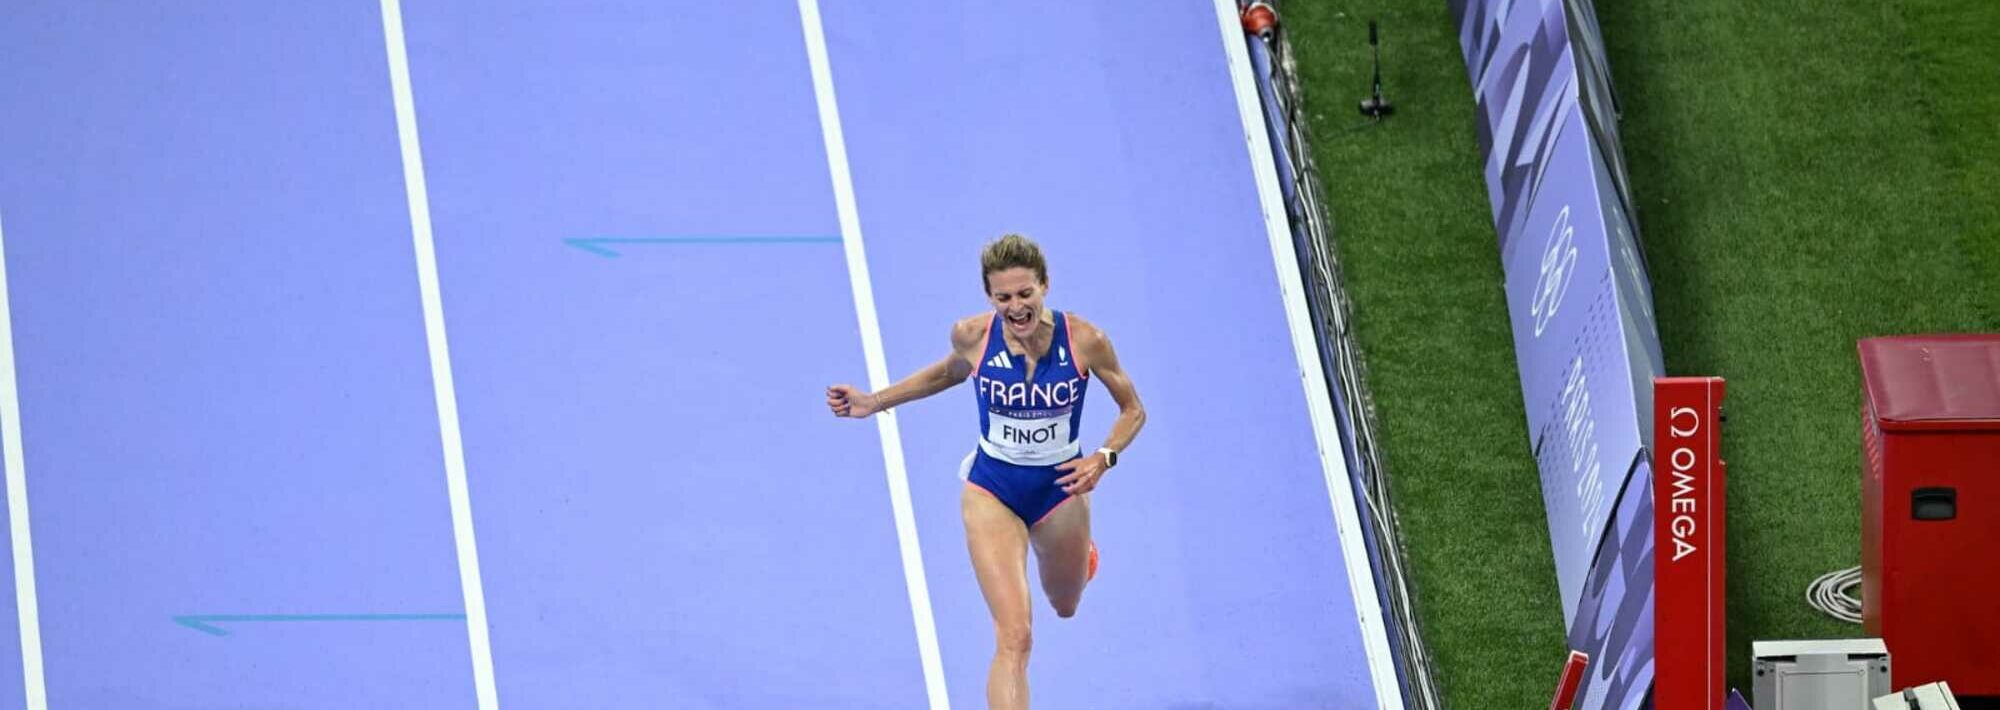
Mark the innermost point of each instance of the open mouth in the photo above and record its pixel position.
(1021, 319)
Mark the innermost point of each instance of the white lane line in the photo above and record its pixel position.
(447, 397)
(1333, 457)
(26, 607)
(871, 345)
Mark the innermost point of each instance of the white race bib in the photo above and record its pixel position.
(1029, 442)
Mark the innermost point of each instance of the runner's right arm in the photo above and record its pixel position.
(849, 401)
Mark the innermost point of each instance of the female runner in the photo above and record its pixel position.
(1028, 481)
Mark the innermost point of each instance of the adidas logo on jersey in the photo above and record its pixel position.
(1001, 360)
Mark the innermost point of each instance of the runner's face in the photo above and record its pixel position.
(1017, 297)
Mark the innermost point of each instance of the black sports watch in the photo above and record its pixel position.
(1110, 457)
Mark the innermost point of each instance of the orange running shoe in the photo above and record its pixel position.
(1092, 574)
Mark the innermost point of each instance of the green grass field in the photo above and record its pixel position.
(1807, 174)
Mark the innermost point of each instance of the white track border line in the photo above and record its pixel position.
(1333, 459)
(440, 355)
(25, 606)
(871, 345)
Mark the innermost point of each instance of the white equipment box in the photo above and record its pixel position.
(1833, 674)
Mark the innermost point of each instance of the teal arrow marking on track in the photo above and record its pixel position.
(209, 623)
(602, 246)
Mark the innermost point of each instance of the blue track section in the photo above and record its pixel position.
(662, 513)
(225, 398)
(232, 443)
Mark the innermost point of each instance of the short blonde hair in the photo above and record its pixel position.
(1012, 251)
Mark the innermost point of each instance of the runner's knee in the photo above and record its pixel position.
(1014, 639)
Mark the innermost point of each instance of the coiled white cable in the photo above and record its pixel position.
(1829, 595)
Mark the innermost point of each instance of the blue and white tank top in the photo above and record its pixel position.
(1029, 423)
